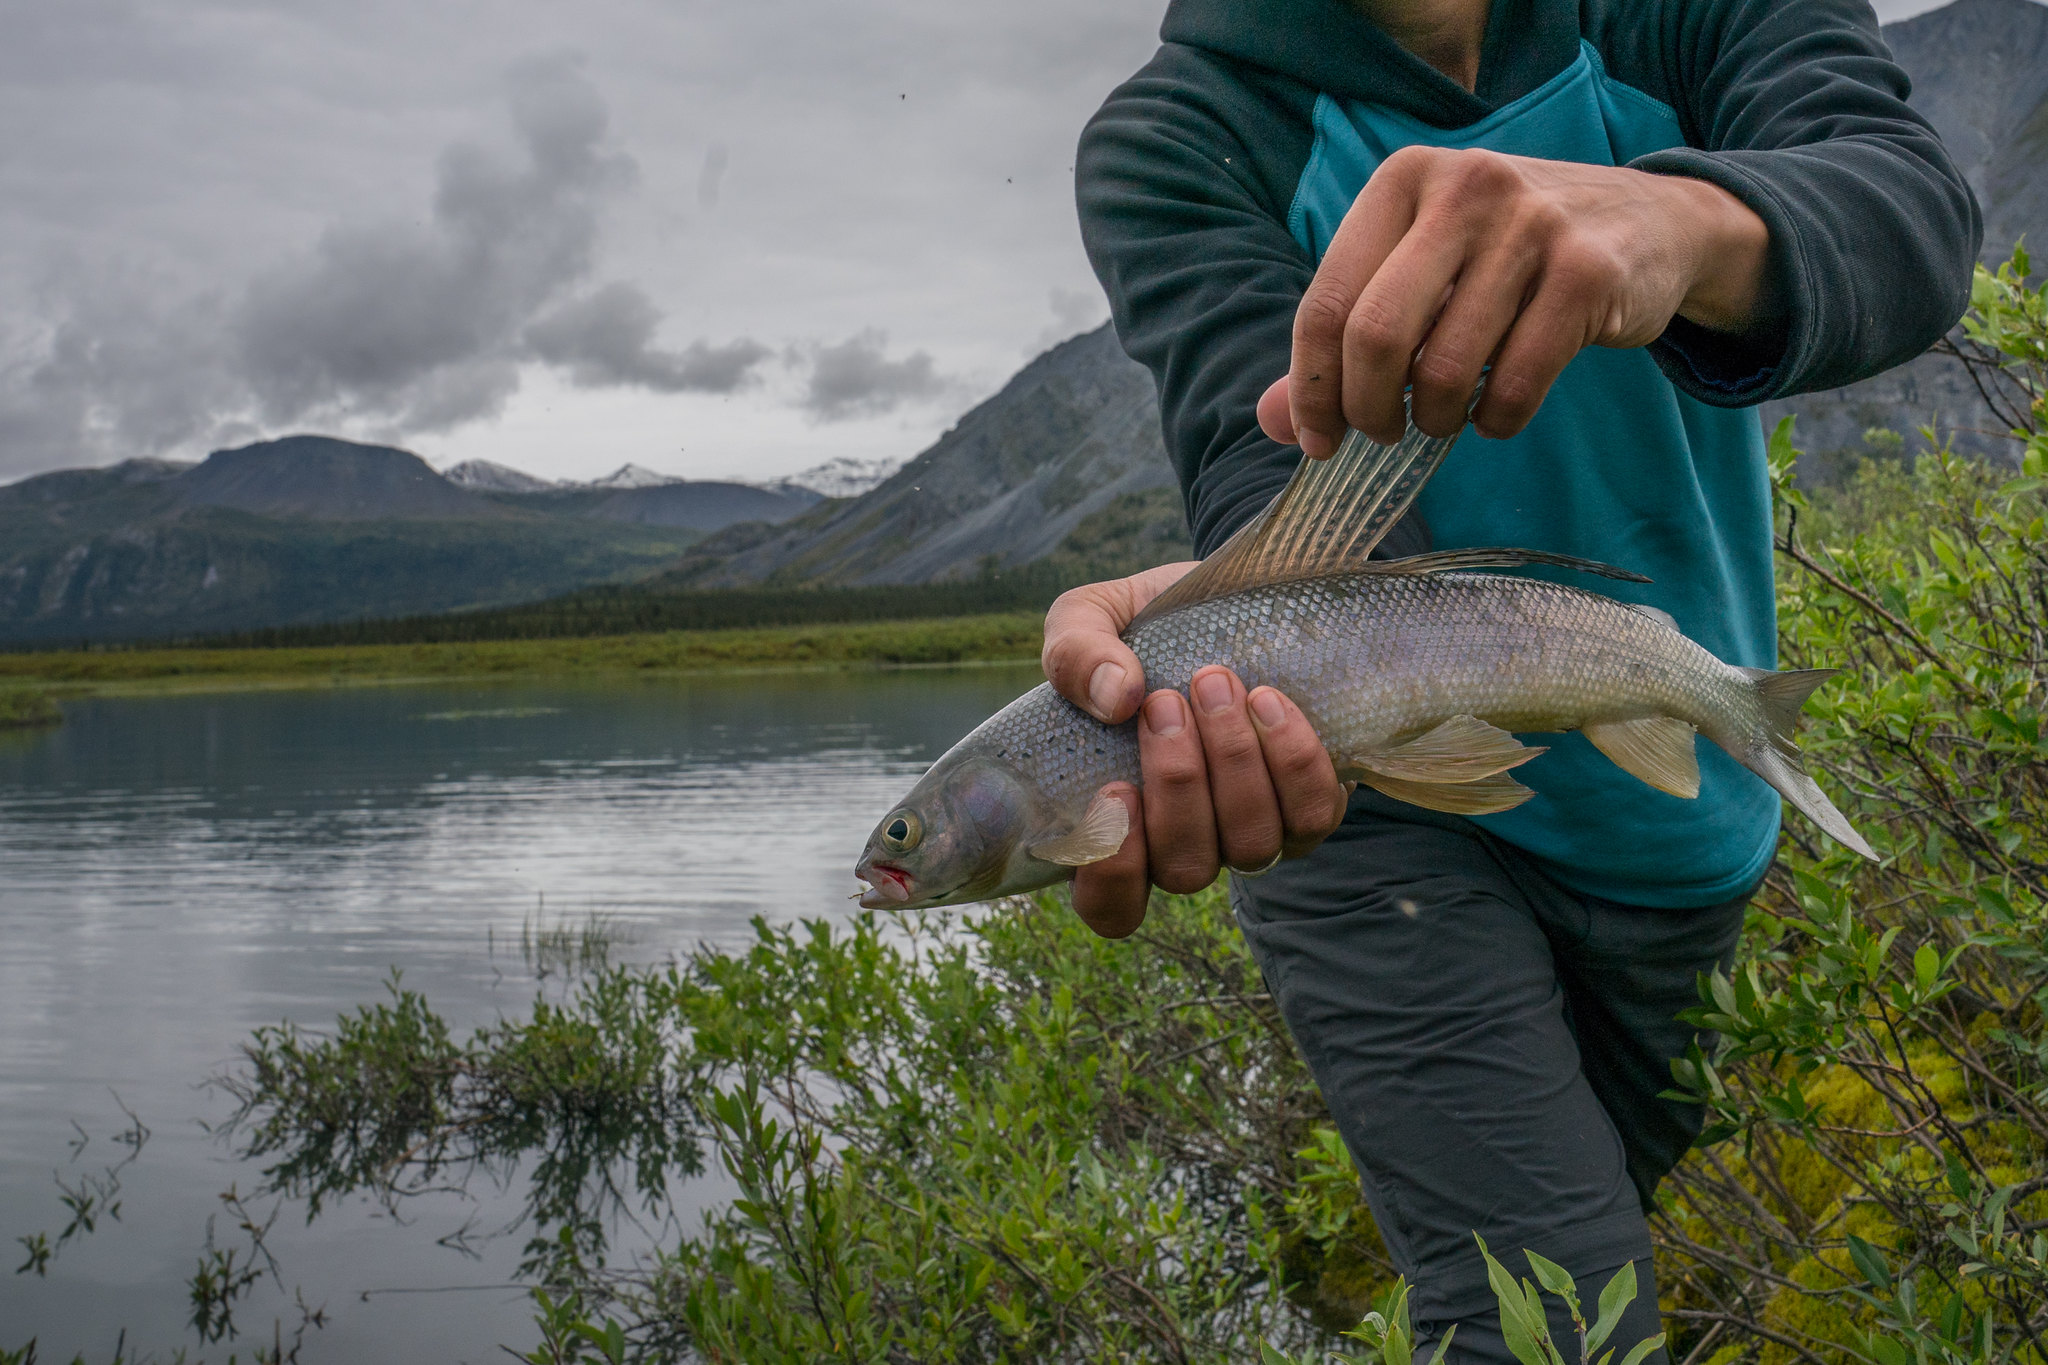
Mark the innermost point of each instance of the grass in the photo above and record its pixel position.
(1014, 635)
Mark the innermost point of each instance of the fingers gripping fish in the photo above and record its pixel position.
(1416, 674)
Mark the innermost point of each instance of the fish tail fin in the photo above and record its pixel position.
(1777, 761)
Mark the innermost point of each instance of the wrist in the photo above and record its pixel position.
(1731, 289)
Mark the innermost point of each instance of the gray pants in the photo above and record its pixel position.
(1492, 1047)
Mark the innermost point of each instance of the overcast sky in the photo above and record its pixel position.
(709, 238)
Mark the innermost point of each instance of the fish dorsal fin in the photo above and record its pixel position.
(1100, 833)
(1451, 561)
(1326, 520)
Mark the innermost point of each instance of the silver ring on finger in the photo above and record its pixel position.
(1261, 870)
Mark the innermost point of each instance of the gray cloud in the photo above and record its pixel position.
(406, 326)
(605, 340)
(417, 324)
(856, 378)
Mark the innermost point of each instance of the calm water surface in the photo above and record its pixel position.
(177, 871)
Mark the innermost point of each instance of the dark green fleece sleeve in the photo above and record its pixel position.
(1798, 110)
(1184, 179)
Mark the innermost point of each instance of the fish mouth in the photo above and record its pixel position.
(887, 886)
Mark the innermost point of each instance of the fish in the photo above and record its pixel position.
(1416, 673)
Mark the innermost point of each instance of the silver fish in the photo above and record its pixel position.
(1415, 673)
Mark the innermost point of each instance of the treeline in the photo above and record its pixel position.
(635, 608)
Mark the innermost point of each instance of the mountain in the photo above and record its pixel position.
(322, 479)
(844, 477)
(309, 529)
(488, 476)
(1980, 75)
(632, 476)
(1074, 435)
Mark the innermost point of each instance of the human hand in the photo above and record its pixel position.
(1451, 260)
(1232, 779)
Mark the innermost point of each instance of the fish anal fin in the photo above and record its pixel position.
(1657, 749)
(1487, 796)
(1452, 561)
(1100, 833)
(1462, 749)
(1325, 521)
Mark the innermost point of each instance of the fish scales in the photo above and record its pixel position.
(1373, 659)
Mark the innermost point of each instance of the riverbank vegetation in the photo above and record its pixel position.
(998, 1138)
(863, 644)
(27, 708)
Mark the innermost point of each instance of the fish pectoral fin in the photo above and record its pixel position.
(1658, 749)
(1486, 796)
(1462, 749)
(1101, 832)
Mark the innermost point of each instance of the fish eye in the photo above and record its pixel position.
(903, 831)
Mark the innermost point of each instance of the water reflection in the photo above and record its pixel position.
(175, 872)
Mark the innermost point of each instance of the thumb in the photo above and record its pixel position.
(1276, 414)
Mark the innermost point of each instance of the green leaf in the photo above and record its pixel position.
(1643, 1348)
(1443, 1348)
(1614, 1301)
(1269, 1356)
(1555, 1278)
(1871, 1262)
(1525, 1339)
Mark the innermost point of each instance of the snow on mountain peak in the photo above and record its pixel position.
(844, 476)
(490, 477)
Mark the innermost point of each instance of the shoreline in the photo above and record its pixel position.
(939, 642)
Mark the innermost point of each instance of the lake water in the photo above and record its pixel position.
(177, 871)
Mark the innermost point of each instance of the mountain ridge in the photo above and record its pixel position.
(306, 529)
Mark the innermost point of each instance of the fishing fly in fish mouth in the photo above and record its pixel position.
(1416, 673)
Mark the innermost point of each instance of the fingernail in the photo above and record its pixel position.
(1213, 693)
(1268, 709)
(1164, 716)
(1106, 689)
